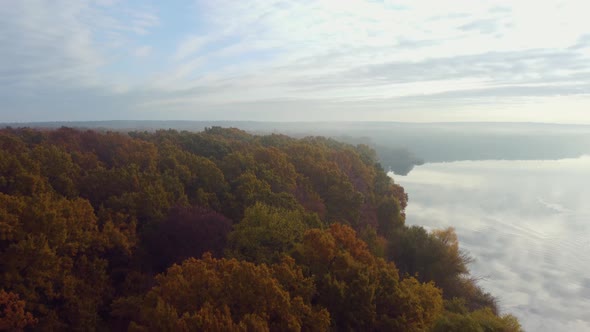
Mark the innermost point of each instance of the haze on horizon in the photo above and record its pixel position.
(416, 61)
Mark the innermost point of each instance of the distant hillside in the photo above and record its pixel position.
(401, 146)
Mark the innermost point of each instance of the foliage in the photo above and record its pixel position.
(227, 294)
(13, 316)
(187, 232)
(51, 256)
(363, 292)
(89, 221)
(267, 233)
(458, 318)
(436, 257)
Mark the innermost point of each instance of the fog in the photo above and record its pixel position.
(526, 223)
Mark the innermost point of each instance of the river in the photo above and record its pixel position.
(526, 223)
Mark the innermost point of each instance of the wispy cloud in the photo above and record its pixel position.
(317, 52)
(143, 51)
(190, 46)
(63, 42)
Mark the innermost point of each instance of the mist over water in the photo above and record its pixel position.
(526, 223)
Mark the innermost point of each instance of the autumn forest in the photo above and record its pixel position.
(220, 230)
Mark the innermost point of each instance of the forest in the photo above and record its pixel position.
(220, 230)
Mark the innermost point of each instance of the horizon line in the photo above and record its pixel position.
(293, 122)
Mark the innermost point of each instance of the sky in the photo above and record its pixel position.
(266, 60)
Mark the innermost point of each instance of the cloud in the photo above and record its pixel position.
(61, 43)
(189, 46)
(486, 26)
(143, 51)
(329, 53)
(142, 21)
(355, 55)
(583, 42)
(41, 46)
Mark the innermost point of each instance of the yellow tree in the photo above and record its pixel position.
(362, 292)
(226, 294)
(51, 256)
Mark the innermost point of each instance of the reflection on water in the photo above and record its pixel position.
(527, 224)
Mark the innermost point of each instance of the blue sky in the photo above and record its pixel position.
(418, 61)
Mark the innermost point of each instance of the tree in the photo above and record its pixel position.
(363, 292)
(186, 232)
(389, 215)
(13, 316)
(267, 233)
(436, 257)
(57, 166)
(90, 216)
(222, 294)
(457, 317)
(51, 257)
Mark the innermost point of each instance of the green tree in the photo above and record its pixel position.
(267, 233)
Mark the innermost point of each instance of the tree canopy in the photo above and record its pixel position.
(219, 230)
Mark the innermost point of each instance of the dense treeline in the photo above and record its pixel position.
(222, 231)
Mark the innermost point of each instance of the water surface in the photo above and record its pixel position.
(526, 223)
